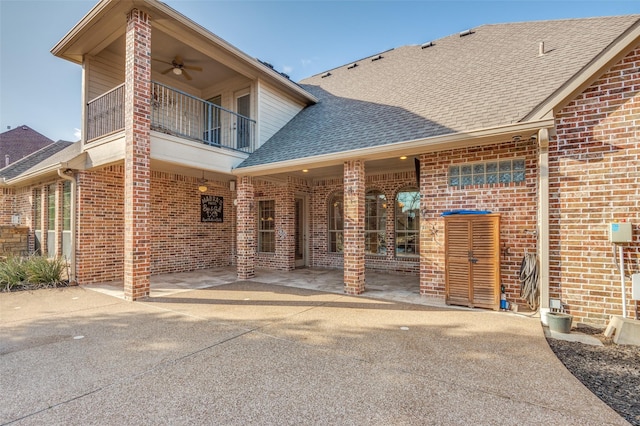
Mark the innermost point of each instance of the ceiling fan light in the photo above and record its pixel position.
(177, 71)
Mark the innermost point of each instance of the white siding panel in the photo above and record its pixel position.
(276, 110)
(105, 73)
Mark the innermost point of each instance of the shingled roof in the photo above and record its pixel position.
(493, 76)
(19, 142)
(43, 156)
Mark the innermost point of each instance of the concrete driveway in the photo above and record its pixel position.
(253, 353)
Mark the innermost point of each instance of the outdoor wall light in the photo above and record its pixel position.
(202, 184)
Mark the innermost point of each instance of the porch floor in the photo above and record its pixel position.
(379, 285)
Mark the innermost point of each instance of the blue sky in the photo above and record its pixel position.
(301, 38)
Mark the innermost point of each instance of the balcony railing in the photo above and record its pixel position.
(105, 114)
(176, 113)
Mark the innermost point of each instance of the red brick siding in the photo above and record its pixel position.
(516, 203)
(389, 184)
(179, 240)
(283, 194)
(100, 225)
(594, 180)
(7, 205)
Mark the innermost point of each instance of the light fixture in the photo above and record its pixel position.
(305, 171)
(202, 184)
(177, 71)
(404, 157)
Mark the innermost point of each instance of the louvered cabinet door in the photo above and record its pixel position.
(485, 262)
(472, 260)
(457, 270)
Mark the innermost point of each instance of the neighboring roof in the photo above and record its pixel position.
(492, 77)
(19, 142)
(42, 156)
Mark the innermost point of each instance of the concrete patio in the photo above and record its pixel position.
(264, 353)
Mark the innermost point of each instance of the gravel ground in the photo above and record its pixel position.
(612, 372)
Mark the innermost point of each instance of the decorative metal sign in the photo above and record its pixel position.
(211, 208)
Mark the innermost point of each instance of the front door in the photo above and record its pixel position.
(301, 234)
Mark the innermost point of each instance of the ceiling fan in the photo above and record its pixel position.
(178, 67)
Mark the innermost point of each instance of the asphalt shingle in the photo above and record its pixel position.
(51, 154)
(494, 76)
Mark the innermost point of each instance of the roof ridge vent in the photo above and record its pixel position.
(427, 44)
(377, 58)
(353, 65)
(466, 32)
(327, 74)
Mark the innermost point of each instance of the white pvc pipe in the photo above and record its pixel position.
(624, 290)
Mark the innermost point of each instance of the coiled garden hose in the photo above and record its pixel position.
(529, 279)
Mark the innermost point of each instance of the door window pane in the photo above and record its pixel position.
(407, 233)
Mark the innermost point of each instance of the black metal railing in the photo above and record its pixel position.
(105, 114)
(176, 113)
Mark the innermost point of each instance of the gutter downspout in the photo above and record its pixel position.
(543, 222)
(74, 184)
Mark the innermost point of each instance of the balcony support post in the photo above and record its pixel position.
(354, 250)
(137, 165)
(246, 226)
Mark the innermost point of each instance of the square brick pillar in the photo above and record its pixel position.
(354, 189)
(137, 177)
(246, 226)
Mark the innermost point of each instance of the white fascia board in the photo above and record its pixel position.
(413, 147)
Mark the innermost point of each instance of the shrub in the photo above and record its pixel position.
(44, 272)
(12, 273)
(31, 272)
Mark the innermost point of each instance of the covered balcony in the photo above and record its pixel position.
(175, 113)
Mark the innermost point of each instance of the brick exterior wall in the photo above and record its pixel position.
(284, 194)
(179, 240)
(137, 193)
(594, 180)
(387, 183)
(100, 225)
(515, 202)
(7, 205)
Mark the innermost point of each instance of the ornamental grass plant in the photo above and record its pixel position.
(32, 272)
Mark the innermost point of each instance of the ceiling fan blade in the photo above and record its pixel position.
(166, 71)
(186, 74)
(160, 60)
(192, 68)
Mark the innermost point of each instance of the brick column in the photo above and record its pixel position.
(137, 229)
(246, 226)
(354, 188)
